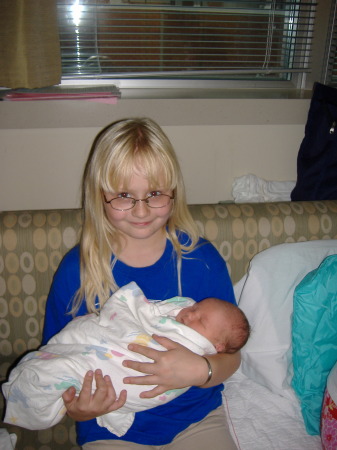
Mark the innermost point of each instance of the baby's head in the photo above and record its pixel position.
(221, 322)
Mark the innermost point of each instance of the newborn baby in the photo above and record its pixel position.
(35, 386)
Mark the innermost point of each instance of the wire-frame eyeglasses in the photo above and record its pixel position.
(124, 203)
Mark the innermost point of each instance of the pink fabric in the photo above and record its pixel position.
(329, 423)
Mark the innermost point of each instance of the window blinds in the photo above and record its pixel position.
(179, 39)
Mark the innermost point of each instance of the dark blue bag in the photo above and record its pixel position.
(317, 156)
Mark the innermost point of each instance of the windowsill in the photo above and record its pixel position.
(171, 93)
(152, 92)
(191, 89)
(169, 107)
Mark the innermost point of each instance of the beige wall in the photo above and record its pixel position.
(44, 145)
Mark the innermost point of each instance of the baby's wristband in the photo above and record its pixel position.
(210, 371)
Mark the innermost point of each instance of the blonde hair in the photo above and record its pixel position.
(116, 152)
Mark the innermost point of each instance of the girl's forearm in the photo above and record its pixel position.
(222, 366)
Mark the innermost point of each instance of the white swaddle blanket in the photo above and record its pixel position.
(35, 386)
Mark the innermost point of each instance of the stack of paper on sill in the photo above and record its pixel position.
(101, 97)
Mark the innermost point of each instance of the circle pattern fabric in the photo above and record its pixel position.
(32, 244)
(31, 247)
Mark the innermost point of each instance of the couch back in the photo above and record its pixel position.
(32, 244)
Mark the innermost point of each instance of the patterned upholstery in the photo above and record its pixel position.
(239, 231)
(32, 244)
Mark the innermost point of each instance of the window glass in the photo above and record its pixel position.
(266, 40)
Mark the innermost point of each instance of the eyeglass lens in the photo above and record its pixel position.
(125, 203)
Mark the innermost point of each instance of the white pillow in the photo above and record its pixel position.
(265, 294)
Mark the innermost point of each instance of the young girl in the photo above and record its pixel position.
(137, 228)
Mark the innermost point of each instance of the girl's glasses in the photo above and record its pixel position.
(123, 203)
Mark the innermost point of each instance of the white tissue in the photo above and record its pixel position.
(253, 189)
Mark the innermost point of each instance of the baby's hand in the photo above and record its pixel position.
(88, 406)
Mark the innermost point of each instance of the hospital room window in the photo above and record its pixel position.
(252, 43)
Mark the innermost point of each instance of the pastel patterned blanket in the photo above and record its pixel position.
(36, 384)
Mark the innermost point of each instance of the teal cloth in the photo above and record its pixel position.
(314, 338)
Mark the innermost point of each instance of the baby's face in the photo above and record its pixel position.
(206, 318)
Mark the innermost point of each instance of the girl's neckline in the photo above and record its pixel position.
(167, 250)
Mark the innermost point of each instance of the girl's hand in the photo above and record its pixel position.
(175, 368)
(88, 406)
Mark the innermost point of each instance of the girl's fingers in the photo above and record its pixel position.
(158, 390)
(142, 367)
(151, 352)
(88, 405)
(148, 380)
(85, 393)
(165, 342)
(105, 394)
(87, 385)
(143, 350)
(104, 389)
(69, 395)
(120, 401)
